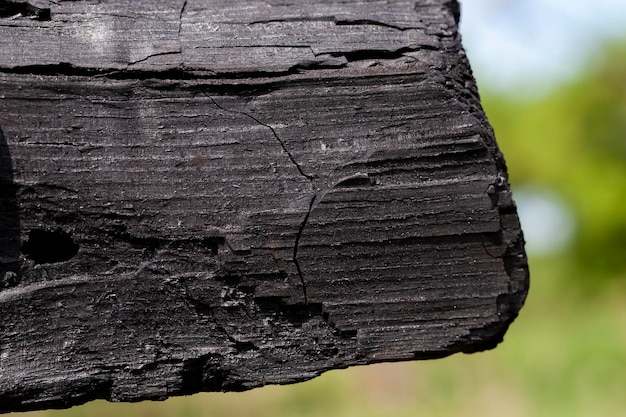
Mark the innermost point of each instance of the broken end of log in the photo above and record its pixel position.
(186, 210)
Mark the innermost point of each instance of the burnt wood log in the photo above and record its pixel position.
(202, 196)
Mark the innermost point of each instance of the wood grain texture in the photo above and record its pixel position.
(220, 195)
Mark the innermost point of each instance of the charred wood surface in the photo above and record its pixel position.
(200, 196)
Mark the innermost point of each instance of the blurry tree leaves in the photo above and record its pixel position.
(573, 141)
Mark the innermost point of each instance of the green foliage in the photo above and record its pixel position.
(573, 141)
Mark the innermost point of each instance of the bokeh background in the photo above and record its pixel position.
(552, 77)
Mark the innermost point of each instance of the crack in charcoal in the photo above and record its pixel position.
(299, 168)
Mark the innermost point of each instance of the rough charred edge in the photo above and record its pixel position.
(514, 257)
(516, 267)
(459, 80)
(490, 336)
(58, 397)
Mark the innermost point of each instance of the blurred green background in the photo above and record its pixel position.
(565, 355)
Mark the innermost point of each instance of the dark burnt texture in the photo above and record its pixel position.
(201, 196)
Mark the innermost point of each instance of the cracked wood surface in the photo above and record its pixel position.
(201, 196)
